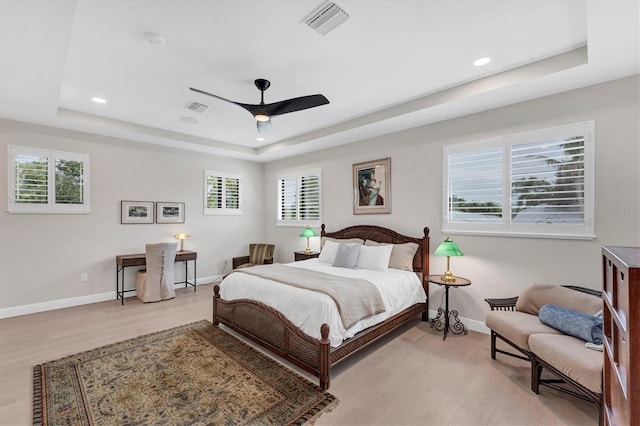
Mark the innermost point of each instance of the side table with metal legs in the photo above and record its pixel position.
(442, 321)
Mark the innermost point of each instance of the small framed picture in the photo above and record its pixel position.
(169, 212)
(372, 187)
(136, 211)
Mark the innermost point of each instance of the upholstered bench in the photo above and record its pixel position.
(568, 356)
(515, 321)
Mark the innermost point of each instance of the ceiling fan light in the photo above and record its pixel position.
(261, 117)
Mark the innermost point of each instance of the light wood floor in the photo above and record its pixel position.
(410, 378)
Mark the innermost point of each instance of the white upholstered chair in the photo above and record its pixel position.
(156, 282)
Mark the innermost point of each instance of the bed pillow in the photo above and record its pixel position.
(401, 254)
(375, 258)
(347, 255)
(574, 323)
(328, 252)
(340, 240)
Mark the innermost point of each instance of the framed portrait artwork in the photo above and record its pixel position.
(136, 211)
(169, 212)
(372, 187)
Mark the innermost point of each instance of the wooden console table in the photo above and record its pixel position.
(140, 259)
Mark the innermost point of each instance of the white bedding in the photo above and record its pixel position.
(308, 310)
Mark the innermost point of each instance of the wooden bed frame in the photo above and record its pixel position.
(272, 330)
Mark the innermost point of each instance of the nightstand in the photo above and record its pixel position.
(457, 327)
(301, 255)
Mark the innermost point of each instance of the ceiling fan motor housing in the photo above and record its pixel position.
(262, 84)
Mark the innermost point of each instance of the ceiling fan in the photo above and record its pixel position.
(263, 112)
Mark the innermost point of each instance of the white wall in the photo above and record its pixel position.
(43, 255)
(497, 266)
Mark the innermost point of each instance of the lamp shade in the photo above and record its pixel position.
(448, 248)
(308, 233)
(182, 236)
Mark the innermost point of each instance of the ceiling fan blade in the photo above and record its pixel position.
(263, 125)
(295, 104)
(276, 108)
(202, 92)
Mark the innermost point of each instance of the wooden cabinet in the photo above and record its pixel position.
(621, 296)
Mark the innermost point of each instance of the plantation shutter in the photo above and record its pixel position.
(299, 198)
(537, 183)
(214, 192)
(31, 179)
(43, 181)
(232, 189)
(547, 181)
(310, 198)
(222, 193)
(475, 186)
(288, 199)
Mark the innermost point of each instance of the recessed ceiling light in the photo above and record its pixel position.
(190, 120)
(260, 139)
(481, 61)
(98, 100)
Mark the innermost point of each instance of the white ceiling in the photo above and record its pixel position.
(394, 64)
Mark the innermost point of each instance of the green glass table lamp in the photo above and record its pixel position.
(448, 248)
(308, 233)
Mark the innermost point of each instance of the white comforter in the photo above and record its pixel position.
(308, 310)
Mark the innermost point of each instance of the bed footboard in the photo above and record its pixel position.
(270, 329)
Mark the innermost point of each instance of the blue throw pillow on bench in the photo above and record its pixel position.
(571, 322)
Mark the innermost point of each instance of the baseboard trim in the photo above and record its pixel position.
(55, 304)
(82, 300)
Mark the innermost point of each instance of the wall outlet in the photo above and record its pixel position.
(84, 277)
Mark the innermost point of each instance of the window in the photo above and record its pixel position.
(300, 198)
(43, 181)
(222, 193)
(537, 183)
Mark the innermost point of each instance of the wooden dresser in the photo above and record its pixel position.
(621, 296)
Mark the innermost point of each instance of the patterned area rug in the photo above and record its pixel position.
(193, 374)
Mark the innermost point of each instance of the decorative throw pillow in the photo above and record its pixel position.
(401, 254)
(571, 322)
(375, 258)
(347, 255)
(328, 252)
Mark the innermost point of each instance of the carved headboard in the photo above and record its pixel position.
(385, 235)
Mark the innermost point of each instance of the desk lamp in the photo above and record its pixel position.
(182, 236)
(308, 233)
(448, 248)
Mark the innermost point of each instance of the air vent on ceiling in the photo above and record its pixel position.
(326, 18)
(196, 106)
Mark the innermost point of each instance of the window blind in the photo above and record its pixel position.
(232, 187)
(214, 192)
(222, 192)
(300, 198)
(538, 183)
(31, 179)
(475, 186)
(43, 181)
(547, 181)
